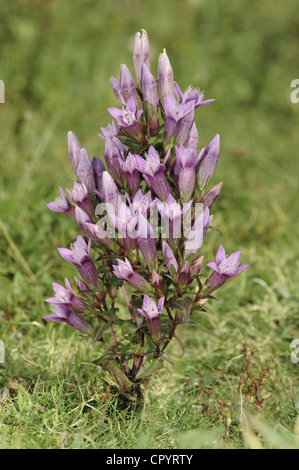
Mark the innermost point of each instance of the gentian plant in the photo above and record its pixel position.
(144, 217)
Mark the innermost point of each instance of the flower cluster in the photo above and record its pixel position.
(144, 215)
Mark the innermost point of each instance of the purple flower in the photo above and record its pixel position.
(127, 118)
(172, 213)
(184, 275)
(196, 266)
(147, 242)
(141, 54)
(110, 192)
(196, 235)
(112, 130)
(130, 169)
(168, 254)
(98, 169)
(165, 77)
(98, 233)
(153, 172)
(127, 85)
(62, 205)
(79, 255)
(149, 89)
(186, 161)
(125, 272)
(224, 268)
(126, 222)
(74, 148)
(84, 171)
(124, 88)
(192, 140)
(67, 297)
(212, 195)
(64, 314)
(208, 159)
(191, 94)
(179, 119)
(82, 219)
(79, 195)
(114, 155)
(152, 312)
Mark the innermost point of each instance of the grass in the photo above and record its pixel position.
(244, 55)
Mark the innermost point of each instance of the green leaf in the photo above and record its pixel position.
(146, 371)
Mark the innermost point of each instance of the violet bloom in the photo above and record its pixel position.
(125, 272)
(127, 118)
(97, 232)
(82, 220)
(191, 94)
(196, 235)
(114, 155)
(79, 195)
(184, 275)
(110, 193)
(141, 203)
(84, 171)
(62, 205)
(124, 88)
(141, 54)
(152, 312)
(208, 159)
(172, 214)
(79, 255)
(129, 168)
(64, 314)
(212, 195)
(186, 161)
(179, 119)
(98, 169)
(153, 172)
(126, 221)
(168, 255)
(149, 89)
(224, 268)
(74, 148)
(112, 130)
(67, 297)
(192, 140)
(147, 242)
(165, 77)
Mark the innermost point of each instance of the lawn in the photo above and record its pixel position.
(56, 60)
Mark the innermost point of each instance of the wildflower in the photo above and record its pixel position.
(165, 77)
(114, 155)
(129, 167)
(179, 119)
(208, 159)
(125, 272)
(141, 55)
(224, 268)
(186, 161)
(79, 255)
(152, 313)
(153, 172)
(62, 313)
(66, 296)
(127, 118)
(62, 205)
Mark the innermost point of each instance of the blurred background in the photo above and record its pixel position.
(56, 58)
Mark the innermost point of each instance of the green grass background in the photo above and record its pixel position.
(56, 58)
